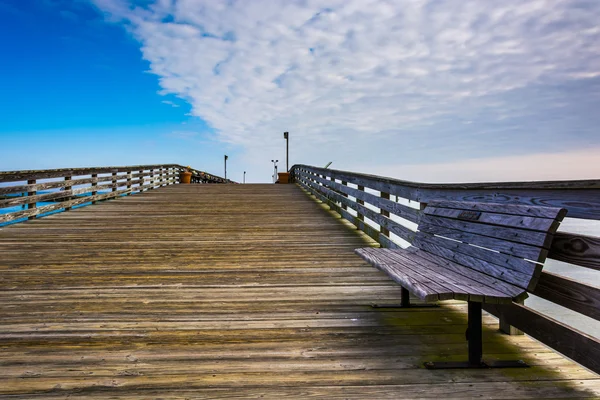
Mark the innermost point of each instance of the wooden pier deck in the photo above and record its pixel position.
(243, 291)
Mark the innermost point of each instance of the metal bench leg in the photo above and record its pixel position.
(474, 334)
(474, 337)
(404, 302)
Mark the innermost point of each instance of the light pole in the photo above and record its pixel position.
(226, 157)
(274, 170)
(244, 176)
(286, 136)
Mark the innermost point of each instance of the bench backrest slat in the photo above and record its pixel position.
(507, 242)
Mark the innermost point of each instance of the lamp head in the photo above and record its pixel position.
(285, 135)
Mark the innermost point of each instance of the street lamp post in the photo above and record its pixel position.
(274, 170)
(286, 136)
(226, 157)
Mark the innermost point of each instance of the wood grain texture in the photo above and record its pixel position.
(220, 291)
(581, 198)
(577, 296)
(576, 249)
(569, 341)
(123, 182)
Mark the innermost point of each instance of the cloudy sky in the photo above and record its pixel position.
(430, 90)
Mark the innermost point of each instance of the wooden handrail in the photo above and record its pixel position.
(72, 187)
(357, 197)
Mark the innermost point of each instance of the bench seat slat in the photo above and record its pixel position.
(467, 281)
(415, 270)
(515, 292)
(452, 253)
(516, 249)
(421, 287)
(511, 209)
(468, 286)
(533, 238)
(446, 289)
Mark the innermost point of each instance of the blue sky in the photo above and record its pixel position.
(76, 92)
(457, 90)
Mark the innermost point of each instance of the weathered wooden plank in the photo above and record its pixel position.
(493, 269)
(580, 198)
(516, 264)
(567, 340)
(471, 285)
(400, 230)
(528, 252)
(534, 238)
(15, 176)
(576, 249)
(513, 291)
(567, 389)
(393, 207)
(427, 290)
(254, 289)
(499, 220)
(53, 207)
(577, 296)
(360, 224)
(31, 206)
(514, 209)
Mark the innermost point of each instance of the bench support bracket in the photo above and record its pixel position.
(474, 336)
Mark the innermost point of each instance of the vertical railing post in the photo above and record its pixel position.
(114, 181)
(141, 181)
(362, 202)
(67, 188)
(506, 327)
(33, 205)
(129, 182)
(151, 176)
(94, 187)
(385, 214)
(345, 207)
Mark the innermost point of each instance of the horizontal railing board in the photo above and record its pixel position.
(398, 209)
(121, 181)
(581, 198)
(14, 176)
(53, 207)
(63, 193)
(394, 227)
(568, 293)
(361, 225)
(573, 248)
(574, 344)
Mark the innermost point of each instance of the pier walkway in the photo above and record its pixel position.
(245, 291)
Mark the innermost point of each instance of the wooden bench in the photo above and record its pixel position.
(477, 252)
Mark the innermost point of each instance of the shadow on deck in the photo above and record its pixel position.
(247, 291)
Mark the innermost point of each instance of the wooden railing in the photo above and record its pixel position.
(389, 210)
(68, 188)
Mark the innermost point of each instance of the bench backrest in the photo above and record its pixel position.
(508, 242)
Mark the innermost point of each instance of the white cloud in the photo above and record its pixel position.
(355, 79)
(170, 103)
